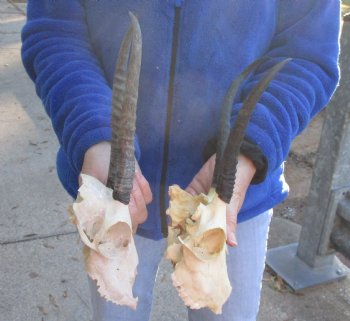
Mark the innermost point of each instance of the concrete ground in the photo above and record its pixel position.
(42, 275)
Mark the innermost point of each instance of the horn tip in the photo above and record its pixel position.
(135, 25)
(133, 17)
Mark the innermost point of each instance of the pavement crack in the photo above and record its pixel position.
(9, 32)
(81, 299)
(17, 7)
(36, 237)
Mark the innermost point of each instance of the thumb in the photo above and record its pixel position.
(231, 229)
(245, 172)
(143, 184)
(231, 219)
(202, 181)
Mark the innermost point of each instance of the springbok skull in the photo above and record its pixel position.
(101, 212)
(197, 234)
(196, 246)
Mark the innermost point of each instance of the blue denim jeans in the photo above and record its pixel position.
(245, 265)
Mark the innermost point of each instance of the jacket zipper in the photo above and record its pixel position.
(174, 47)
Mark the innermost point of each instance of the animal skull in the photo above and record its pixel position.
(101, 213)
(104, 226)
(197, 234)
(197, 248)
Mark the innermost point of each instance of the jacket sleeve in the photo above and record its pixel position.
(308, 32)
(58, 56)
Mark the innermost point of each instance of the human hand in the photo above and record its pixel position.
(96, 164)
(201, 183)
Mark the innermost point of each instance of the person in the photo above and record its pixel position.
(191, 52)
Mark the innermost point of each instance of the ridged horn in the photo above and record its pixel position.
(229, 163)
(226, 109)
(124, 102)
(117, 101)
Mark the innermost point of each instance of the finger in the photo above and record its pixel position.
(231, 225)
(134, 228)
(231, 218)
(244, 175)
(202, 181)
(191, 190)
(143, 183)
(138, 211)
(144, 187)
(196, 186)
(133, 210)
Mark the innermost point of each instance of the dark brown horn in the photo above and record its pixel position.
(228, 174)
(117, 102)
(226, 108)
(125, 94)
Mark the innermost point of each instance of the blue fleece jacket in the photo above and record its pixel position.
(70, 48)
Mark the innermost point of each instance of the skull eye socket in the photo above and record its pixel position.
(212, 242)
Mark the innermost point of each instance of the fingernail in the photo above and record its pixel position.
(231, 240)
(191, 191)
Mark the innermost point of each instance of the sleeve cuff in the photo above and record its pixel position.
(249, 150)
(255, 154)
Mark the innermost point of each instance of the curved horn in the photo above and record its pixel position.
(124, 108)
(226, 108)
(228, 175)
